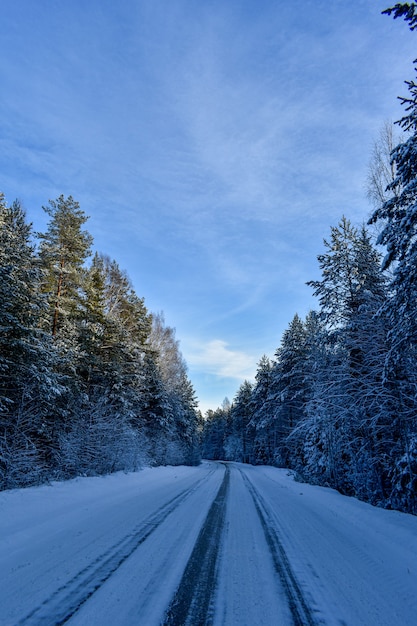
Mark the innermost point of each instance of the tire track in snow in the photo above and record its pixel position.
(301, 613)
(192, 602)
(67, 599)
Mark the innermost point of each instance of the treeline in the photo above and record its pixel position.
(90, 381)
(338, 403)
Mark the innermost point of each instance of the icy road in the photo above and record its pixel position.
(222, 543)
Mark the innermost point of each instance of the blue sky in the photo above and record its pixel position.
(212, 144)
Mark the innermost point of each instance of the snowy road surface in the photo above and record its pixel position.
(216, 544)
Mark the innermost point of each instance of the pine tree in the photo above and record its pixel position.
(63, 251)
(95, 329)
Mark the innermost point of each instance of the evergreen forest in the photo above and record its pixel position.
(90, 381)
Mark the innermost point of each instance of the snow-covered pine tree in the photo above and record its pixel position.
(63, 250)
(95, 329)
(28, 380)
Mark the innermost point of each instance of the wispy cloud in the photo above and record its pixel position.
(216, 357)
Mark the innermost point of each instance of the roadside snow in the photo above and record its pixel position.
(49, 534)
(357, 563)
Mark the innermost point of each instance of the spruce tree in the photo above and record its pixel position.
(398, 216)
(289, 370)
(29, 384)
(20, 305)
(351, 292)
(263, 417)
(239, 444)
(214, 435)
(155, 411)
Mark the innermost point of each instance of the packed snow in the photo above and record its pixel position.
(126, 549)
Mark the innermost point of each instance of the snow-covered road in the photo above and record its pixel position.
(222, 543)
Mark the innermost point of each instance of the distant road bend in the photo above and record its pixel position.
(222, 544)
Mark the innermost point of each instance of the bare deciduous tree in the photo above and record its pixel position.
(382, 169)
